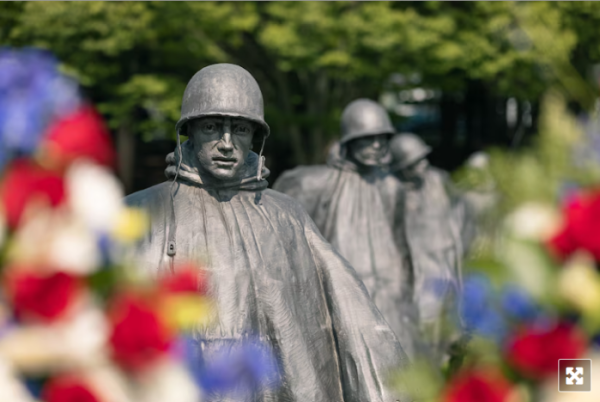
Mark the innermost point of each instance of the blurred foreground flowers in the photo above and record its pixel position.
(77, 321)
(531, 290)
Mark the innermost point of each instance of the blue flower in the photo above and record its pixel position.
(105, 245)
(478, 310)
(475, 299)
(517, 304)
(34, 385)
(232, 367)
(492, 325)
(33, 93)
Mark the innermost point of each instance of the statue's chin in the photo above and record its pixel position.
(222, 174)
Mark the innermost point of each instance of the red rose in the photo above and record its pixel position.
(41, 296)
(139, 335)
(25, 181)
(580, 230)
(478, 386)
(67, 389)
(535, 353)
(187, 278)
(82, 134)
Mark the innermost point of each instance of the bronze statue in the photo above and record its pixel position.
(433, 223)
(352, 201)
(272, 274)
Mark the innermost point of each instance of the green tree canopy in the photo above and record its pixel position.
(310, 58)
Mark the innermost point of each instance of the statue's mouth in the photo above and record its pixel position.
(222, 161)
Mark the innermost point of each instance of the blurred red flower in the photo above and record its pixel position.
(41, 296)
(67, 389)
(25, 181)
(81, 134)
(478, 386)
(580, 229)
(535, 353)
(139, 336)
(187, 278)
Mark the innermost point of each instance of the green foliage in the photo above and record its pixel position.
(310, 58)
(537, 173)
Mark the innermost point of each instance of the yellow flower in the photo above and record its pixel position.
(185, 311)
(579, 284)
(131, 225)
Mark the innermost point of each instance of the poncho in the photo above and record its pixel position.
(274, 276)
(432, 224)
(354, 209)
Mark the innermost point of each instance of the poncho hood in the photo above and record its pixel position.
(189, 173)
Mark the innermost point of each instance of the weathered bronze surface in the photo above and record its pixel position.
(352, 201)
(272, 274)
(432, 223)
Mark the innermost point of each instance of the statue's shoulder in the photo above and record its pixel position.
(304, 177)
(150, 196)
(283, 203)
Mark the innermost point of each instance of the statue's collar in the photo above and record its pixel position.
(189, 173)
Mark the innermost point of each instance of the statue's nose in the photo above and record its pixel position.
(225, 145)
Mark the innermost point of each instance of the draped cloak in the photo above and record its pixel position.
(354, 210)
(272, 274)
(432, 223)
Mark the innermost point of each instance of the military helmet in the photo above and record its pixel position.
(363, 118)
(407, 149)
(223, 90)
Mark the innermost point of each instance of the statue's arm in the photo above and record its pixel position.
(366, 346)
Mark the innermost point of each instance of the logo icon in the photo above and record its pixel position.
(574, 375)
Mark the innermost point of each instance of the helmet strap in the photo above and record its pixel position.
(261, 160)
(172, 244)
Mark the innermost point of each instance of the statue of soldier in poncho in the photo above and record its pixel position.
(352, 201)
(272, 273)
(434, 222)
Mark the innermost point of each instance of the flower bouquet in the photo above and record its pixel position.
(78, 321)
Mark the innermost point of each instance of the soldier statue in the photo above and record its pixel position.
(432, 221)
(352, 201)
(272, 274)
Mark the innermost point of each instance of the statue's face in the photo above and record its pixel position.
(221, 144)
(416, 171)
(369, 151)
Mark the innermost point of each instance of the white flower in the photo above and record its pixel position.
(56, 239)
(95, 195)
(109, 383)
(74, 248)
(85, 335)
(168, 381)
(533, 221)
(11, 389)
(76, 342)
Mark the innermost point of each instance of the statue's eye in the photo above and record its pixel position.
(242, 129)
(210, 127)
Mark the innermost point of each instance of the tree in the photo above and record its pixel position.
(310, 58)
